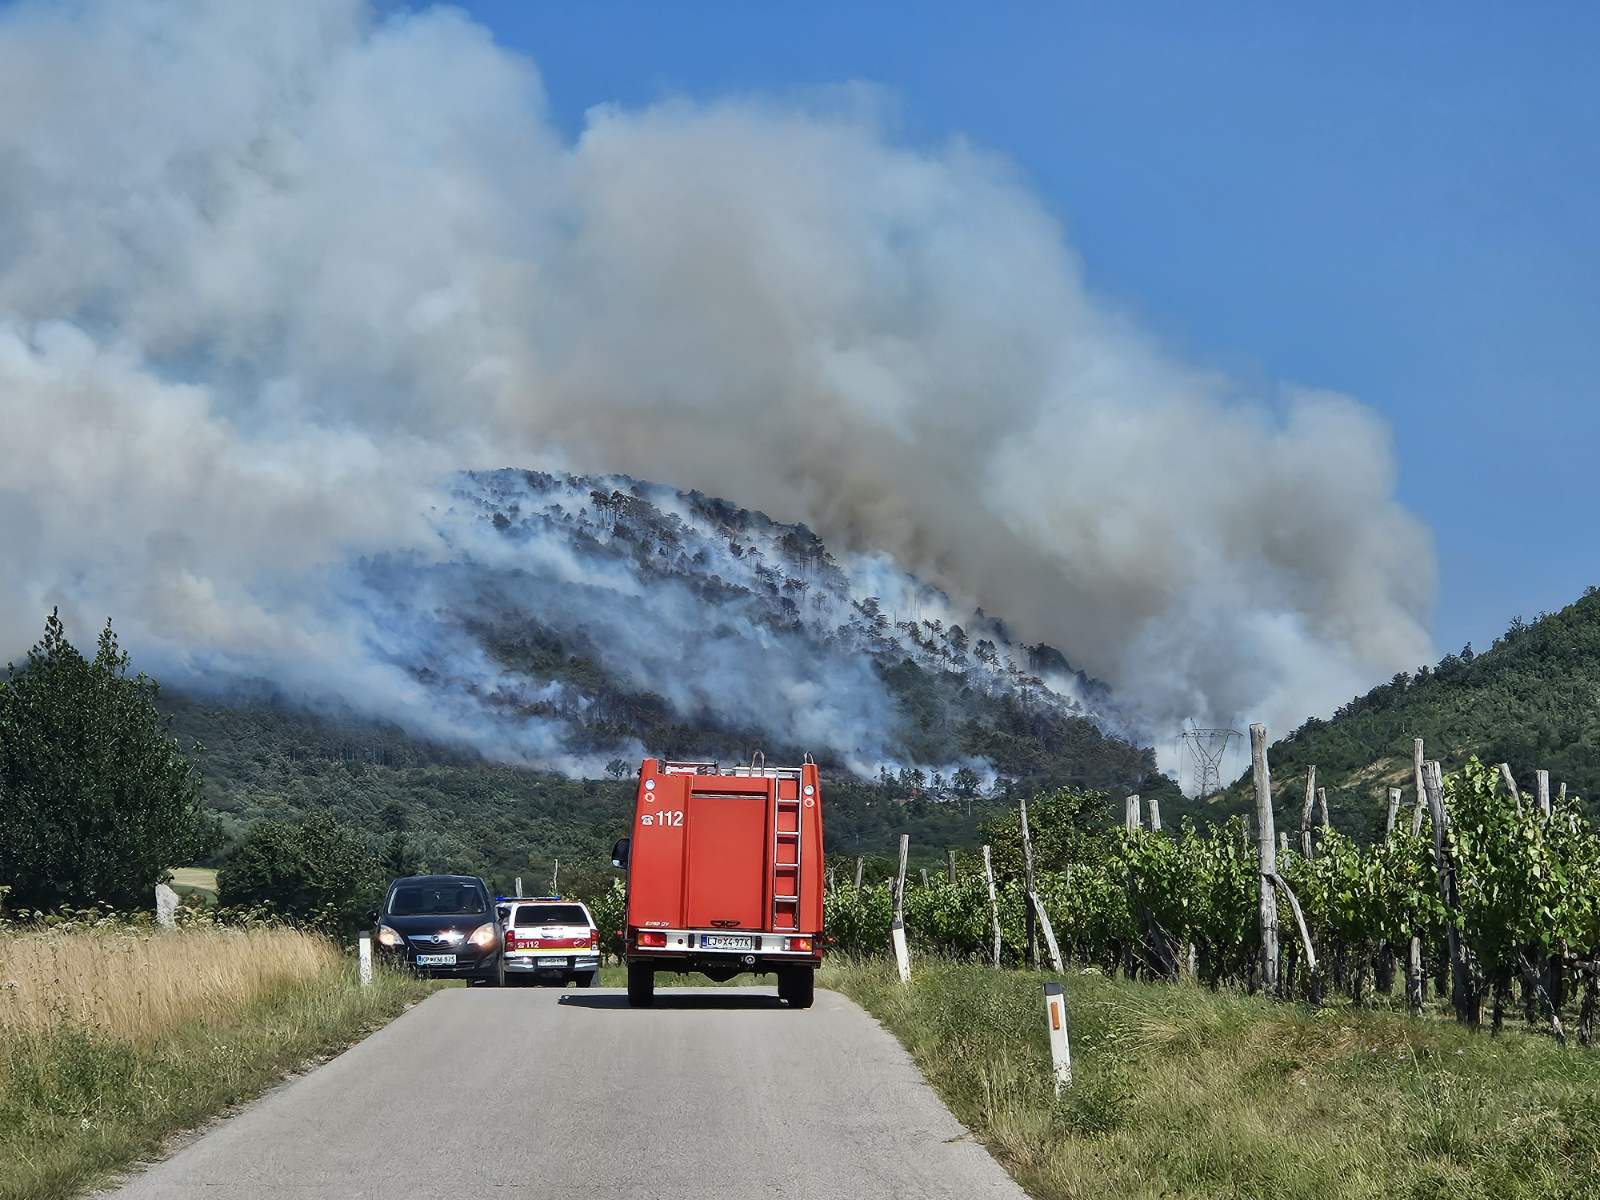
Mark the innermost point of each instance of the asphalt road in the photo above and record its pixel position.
(716, 1092)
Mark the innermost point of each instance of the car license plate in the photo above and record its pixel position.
(436, 960)
(727, 941)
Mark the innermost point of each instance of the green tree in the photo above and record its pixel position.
(315, 870)
(96, 801)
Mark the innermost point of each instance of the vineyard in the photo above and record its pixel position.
(1499, 905)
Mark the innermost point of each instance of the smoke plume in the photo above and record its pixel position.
(270, 273)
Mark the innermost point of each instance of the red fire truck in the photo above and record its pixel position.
(724, 874)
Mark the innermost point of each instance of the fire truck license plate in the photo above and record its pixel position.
(727, 941)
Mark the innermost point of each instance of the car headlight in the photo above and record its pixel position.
(483, 936)
(390, 937)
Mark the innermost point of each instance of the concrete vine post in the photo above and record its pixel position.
(1131, 821)
(994, 904)
(1267, 844)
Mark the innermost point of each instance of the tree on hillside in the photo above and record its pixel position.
(315, 870)
(96, 801)
(1063, 825)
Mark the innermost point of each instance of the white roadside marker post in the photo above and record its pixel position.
(1055, 1011)
(364, 955)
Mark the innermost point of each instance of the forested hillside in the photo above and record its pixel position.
(576, 623)
(1532, 700)
(447, 808)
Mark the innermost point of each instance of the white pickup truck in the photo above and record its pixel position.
(549, 940)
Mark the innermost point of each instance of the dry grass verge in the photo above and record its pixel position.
(136, 984)
(112, 1040)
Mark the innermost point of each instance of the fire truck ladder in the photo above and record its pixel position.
(786, 838)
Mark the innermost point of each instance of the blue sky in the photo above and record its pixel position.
(1396, 204)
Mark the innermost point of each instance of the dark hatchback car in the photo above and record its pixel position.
(443, 926)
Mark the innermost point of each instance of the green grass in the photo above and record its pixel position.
(76, 1105)
(1179, 1091)
(196, 881)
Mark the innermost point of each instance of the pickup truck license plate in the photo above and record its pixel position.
(436, 960)
(727, 941)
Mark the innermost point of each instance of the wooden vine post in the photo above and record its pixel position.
(950, 864)
(1510, 780)
(1038, 919)
(1414, 977)
(994, 904)
(1267, 845)
(1027, 883)
(1416, 782)
(1305, 812)
(897, 931)
(1155, 813)
(1462, 997)
(1385, 968)
(1131, 821)
(860, 865)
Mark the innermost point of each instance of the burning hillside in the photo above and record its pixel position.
(570, 620)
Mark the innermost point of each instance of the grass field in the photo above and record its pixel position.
(1179, 1091)
(113, 1039)
(200, 881)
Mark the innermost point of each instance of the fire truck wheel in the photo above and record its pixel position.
(797, 986)
(641, 985)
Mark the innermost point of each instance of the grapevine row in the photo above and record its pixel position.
(1156, 904)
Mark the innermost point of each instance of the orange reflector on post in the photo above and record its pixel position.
(1055, 1016)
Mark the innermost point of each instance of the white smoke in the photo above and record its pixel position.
(270, 272)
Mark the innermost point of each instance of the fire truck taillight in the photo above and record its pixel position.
(652, 939)
(798, 943)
